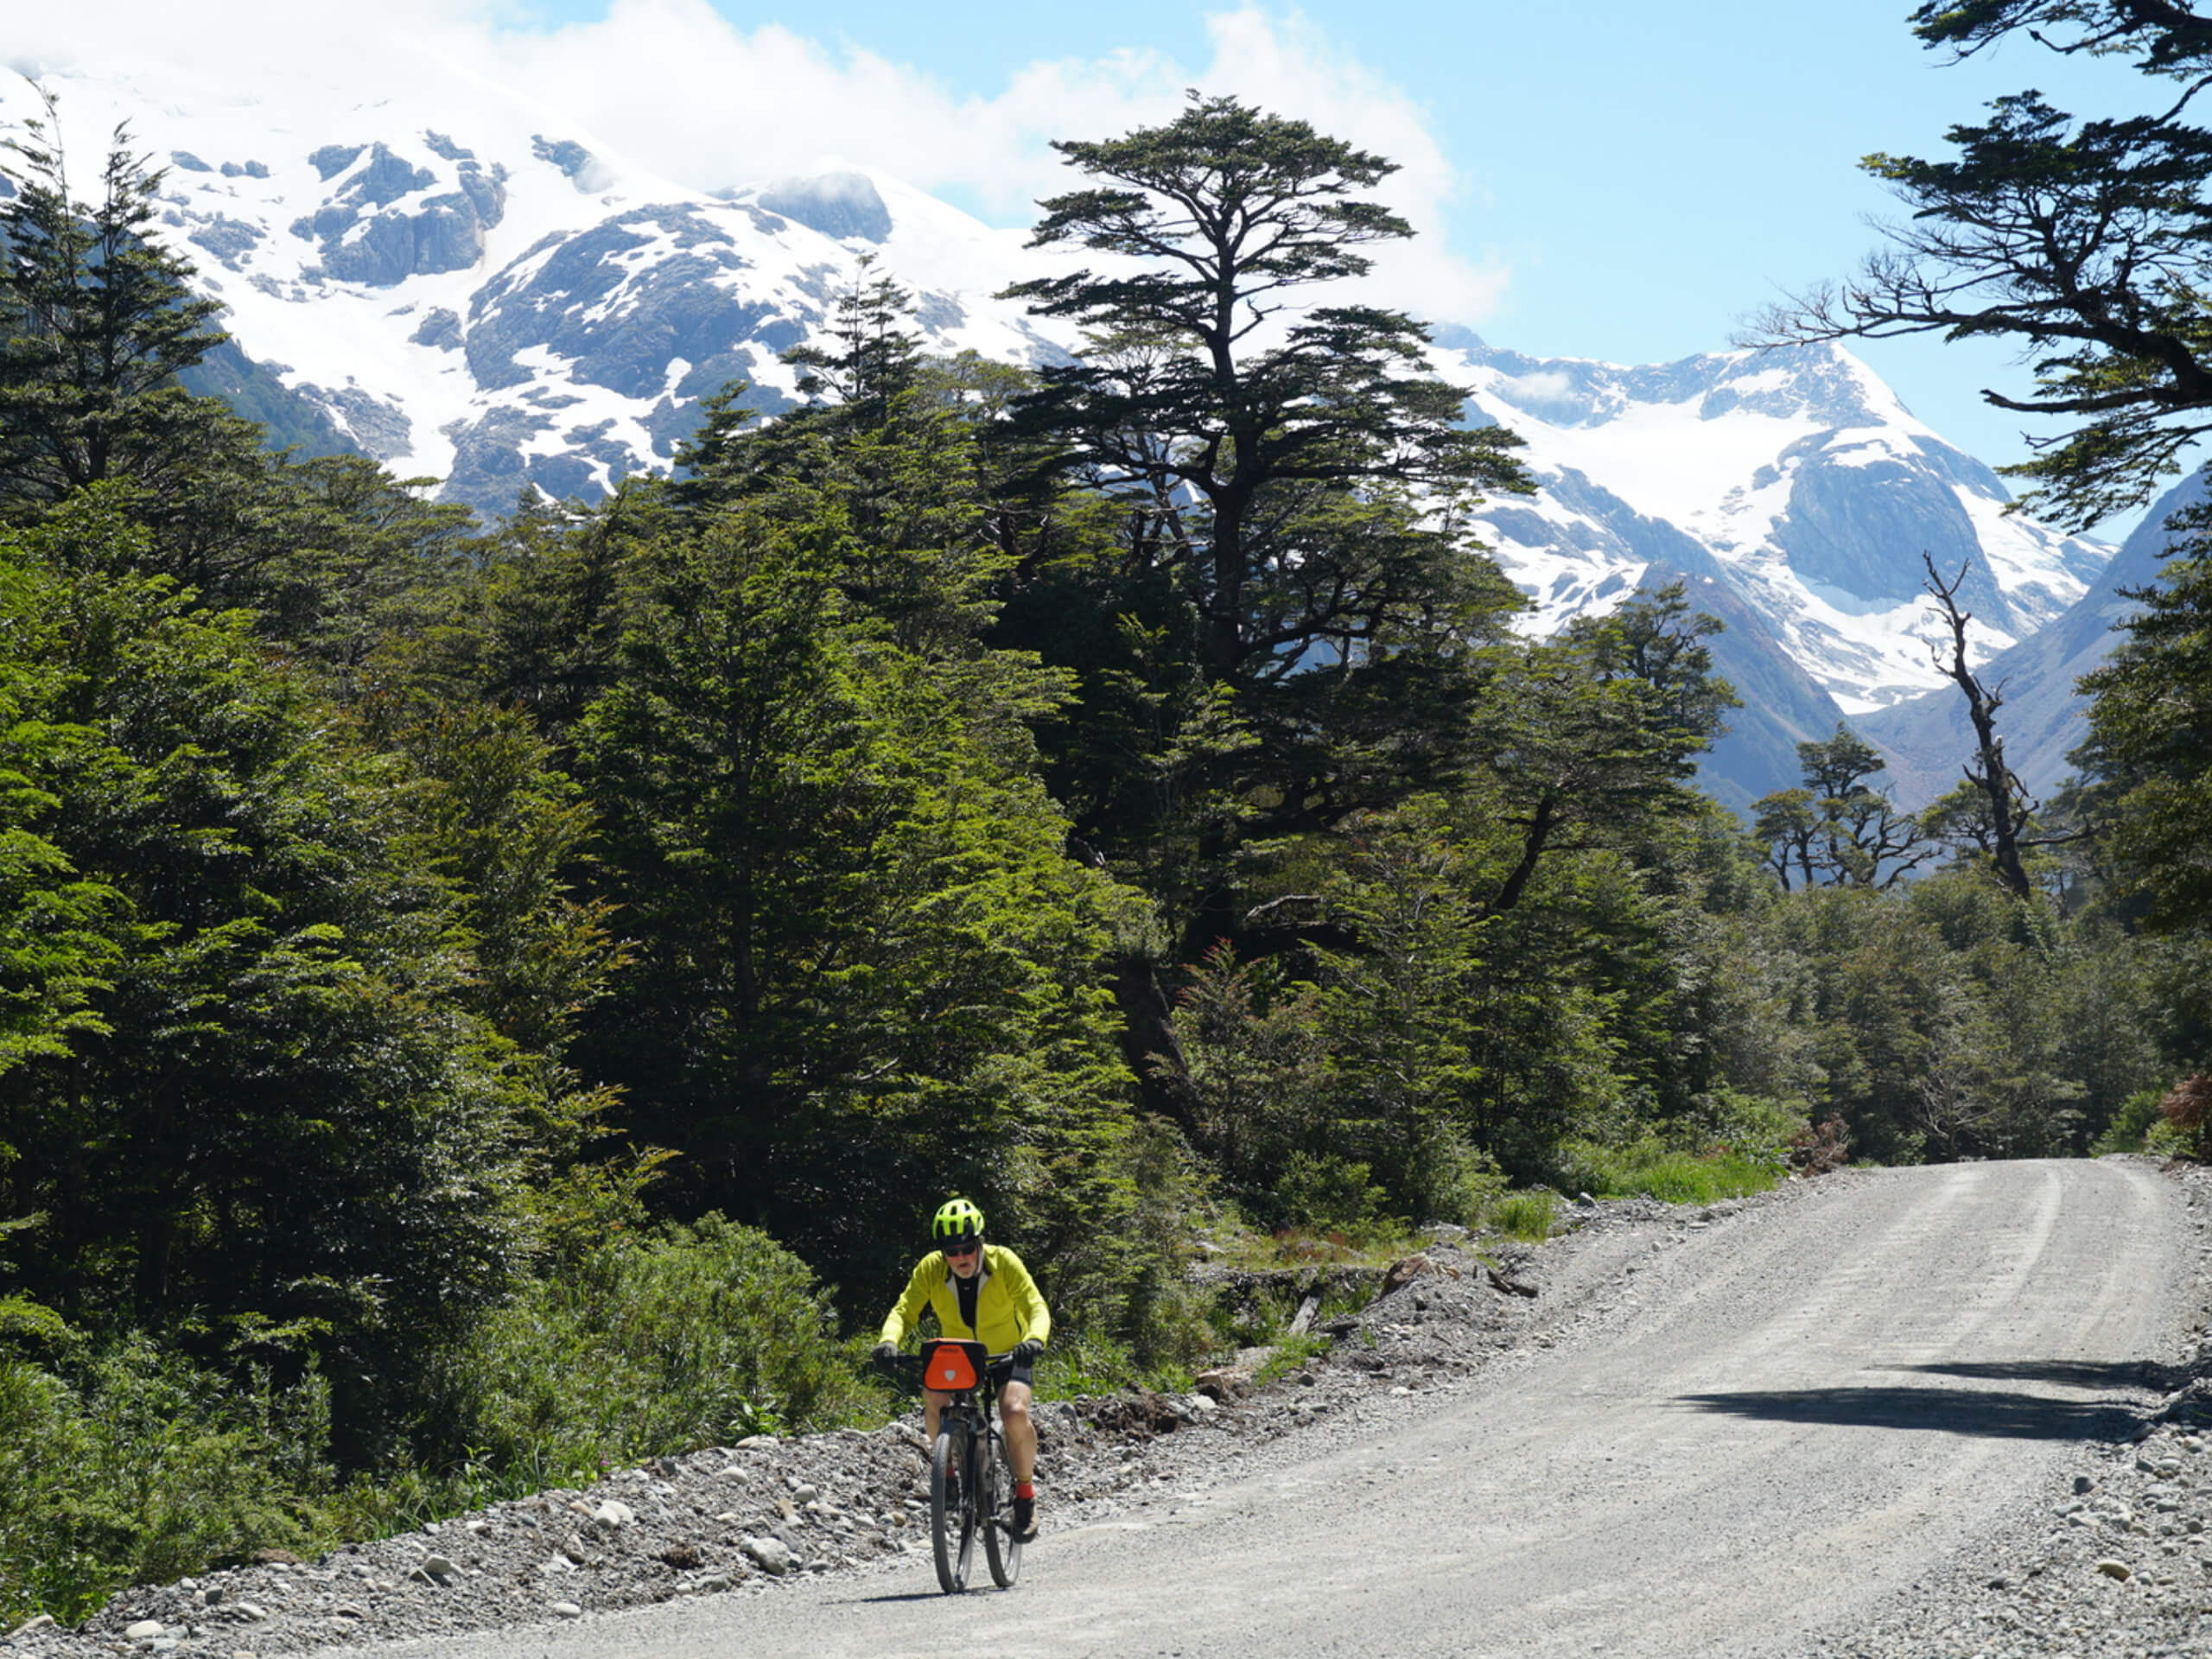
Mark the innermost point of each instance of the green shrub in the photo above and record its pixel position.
(2132, 1125)
(142, 1468)
(1648, 1168)
(653, 1344)
(1333, 1195)
(1290, 1353)
(1086, 1363)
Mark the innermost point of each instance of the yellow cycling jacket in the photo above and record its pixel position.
(1008, 1305)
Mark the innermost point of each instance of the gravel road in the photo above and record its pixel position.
(1866, 1417)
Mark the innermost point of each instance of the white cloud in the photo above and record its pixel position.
(673, 87)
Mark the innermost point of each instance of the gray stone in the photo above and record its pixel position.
(364, 236)
(571, 157)
(772, 1555)
(230, 240)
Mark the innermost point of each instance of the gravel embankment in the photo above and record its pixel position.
(2116, 1562)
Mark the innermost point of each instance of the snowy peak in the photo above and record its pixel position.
(1798, 478)
(459, 286)
(844, 206)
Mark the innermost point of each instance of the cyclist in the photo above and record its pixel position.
(982, 1292)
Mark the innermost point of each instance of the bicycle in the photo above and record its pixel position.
(971, 1476)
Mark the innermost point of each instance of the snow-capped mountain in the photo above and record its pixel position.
(1795, 477)
(457, 282)
(465, 287)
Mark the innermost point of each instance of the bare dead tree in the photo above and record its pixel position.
(2009, 804)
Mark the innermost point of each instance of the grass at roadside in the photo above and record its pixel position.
(1647, 1169)
(1526, 1216)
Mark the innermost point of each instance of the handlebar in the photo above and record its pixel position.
(900, 1363)
(973, 1366)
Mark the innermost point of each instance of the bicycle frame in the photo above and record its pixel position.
(970, 1474)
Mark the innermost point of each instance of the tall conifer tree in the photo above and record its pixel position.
(96, 319)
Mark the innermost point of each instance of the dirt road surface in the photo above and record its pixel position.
(1784, 1419)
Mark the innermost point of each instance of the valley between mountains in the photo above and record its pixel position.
(1946, 1410)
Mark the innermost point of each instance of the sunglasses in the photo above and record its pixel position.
(963, 1246)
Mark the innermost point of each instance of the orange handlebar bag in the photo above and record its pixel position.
(953, 1367)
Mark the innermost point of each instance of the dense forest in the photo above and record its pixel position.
(478, 1002)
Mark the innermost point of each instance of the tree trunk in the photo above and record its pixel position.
(1994, 778)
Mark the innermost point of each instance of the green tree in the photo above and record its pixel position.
(96, 319)
(1203, 389)
(2083, 244)
(1289, 473)
(864, 970)
(1593, 734)
(878, 358)
(2150, 743)
(275, 1131)
(1255, 562)
(1396, 1014)
(55, 939)
(532, 620)
(1838, 827)
(1250, 1071)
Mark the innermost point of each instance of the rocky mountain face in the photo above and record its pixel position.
(2042, 717)
(450, 280)
(1797, 498)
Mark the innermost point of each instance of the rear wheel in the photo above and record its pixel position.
(1000, 1545)
(952, 1507)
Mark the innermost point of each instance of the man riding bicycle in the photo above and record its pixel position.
(982, 1292)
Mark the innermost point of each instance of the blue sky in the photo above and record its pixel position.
(1615, 178)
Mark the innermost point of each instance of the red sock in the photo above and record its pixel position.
(1025, 1489)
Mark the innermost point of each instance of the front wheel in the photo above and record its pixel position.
(1000, 1545)
(952, 1508)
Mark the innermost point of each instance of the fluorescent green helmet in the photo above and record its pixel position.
(957, 1218)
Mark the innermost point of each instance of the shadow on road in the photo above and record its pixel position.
(1950, 1411)
(2068, 1373)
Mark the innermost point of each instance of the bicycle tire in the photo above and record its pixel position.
(952, 1517)
(1001, 1548)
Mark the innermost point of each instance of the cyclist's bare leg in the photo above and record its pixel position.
(932, 1404)
(1019, 1428)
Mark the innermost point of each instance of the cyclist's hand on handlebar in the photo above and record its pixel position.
(1026, 1351)
(886, 1354)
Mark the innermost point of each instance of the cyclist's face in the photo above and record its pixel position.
(965, 1257)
